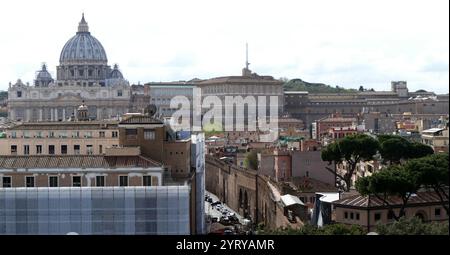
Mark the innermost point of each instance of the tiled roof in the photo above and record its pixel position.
(241, 79)
(66, 125)
(337, 119)
(307, 184)
(141, 119)
(364, 201)
(75, 161)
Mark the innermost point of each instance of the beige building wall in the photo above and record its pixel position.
(440, 143)
(85, 138)
(177, 156)
(87, 178)
(368, 217)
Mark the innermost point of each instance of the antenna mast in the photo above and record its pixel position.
(246, 56)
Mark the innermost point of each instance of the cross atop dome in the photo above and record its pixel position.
(83, 26)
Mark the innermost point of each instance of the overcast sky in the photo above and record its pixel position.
(346, 43)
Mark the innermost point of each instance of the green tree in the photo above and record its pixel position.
(413, 226)
(351, 150)
(395, 148)
(383, 137)
(251, 160)
(419, 150)
(396, 181)
(433, 173)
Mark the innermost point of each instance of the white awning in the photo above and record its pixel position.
(328, 197)
(290, 200)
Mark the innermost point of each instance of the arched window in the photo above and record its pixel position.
(245, 200)
(240, 198)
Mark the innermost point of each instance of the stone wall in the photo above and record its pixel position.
(245, 192)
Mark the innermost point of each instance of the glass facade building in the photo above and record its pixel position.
(154, 210)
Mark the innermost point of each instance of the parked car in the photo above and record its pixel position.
(224, 220)
(228, 232)
(216, 203)
(233, 219)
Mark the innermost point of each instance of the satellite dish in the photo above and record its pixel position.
(150, 109)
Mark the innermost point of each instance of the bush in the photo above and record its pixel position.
(307, 229)
(413, 226)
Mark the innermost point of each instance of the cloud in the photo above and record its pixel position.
(439, 67)
(348, 42)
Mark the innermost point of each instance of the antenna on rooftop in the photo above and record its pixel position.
(246, 56)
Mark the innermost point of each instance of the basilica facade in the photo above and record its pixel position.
(83, 75)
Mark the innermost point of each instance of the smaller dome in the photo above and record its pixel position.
(43, 77)
(115, 73)
(43, 74)
(82, 112)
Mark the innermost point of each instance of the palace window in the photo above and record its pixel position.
(390, 215)
(26, 149)
(63, 149)
(89, 150)
(147, 180)
(131, 134)
(19, 93)
(76, 181)
(51, 149)
(123, 180)
(53, 181)
(13, 149)
(114, 134)
(6, 181)
(76, 149)
(437, 212)
(100, 181)
(101, 134)
(119, 93)
(29, 181)
(149, 134)
(377, 216)
(38, 149)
